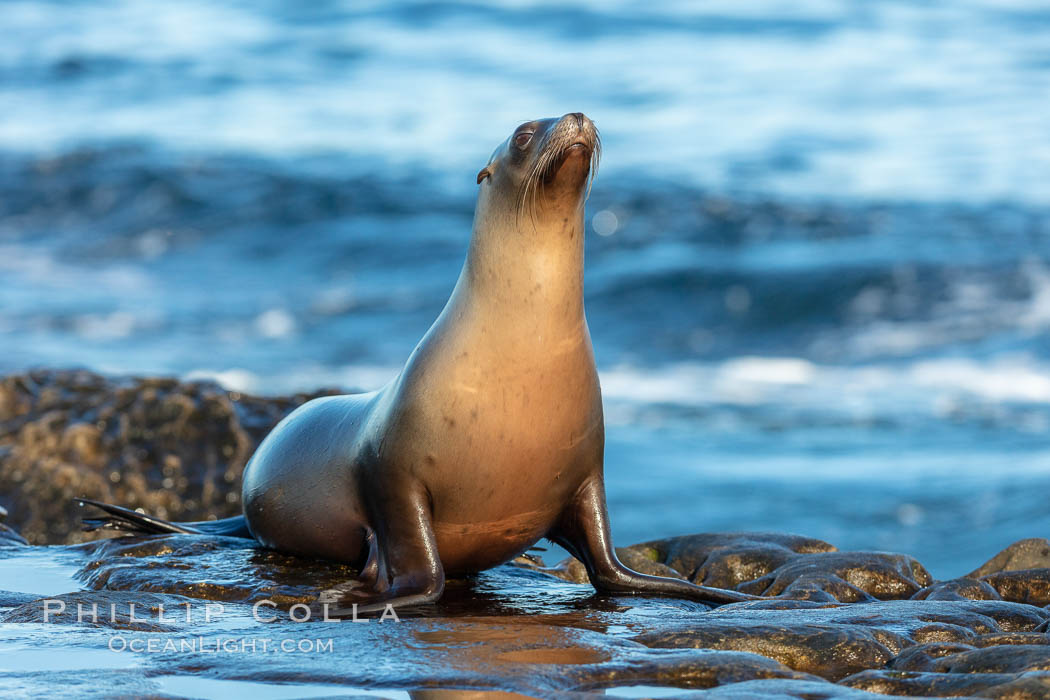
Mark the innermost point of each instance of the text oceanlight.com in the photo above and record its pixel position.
(229, 645)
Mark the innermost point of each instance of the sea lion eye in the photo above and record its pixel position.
(522, 139)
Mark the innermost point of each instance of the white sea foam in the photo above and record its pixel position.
(302, 378)
(233, 379)
(937, 388)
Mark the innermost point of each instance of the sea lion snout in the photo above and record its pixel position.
(581, 120)
(574, 130)
(572, 139)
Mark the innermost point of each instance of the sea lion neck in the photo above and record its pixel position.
(525, 265)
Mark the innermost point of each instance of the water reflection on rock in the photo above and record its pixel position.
(196, 627)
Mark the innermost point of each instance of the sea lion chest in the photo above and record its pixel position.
(501, 441)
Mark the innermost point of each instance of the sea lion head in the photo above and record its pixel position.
(544, 168)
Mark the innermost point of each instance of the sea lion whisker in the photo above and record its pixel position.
(536, 181)
(596, 156)
(523, 199)
(528, 198)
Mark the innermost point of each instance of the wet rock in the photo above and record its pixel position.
(685, 669)
(790, 604)
(958, 589)
(822, 587)
(991, 640)
(724, 560)
(1003, 670)
(1027, 686)
(921, 657)
(82, 683)
(539, 658)
(830, 652)
(441, 694)
(12, 599)
(771, 564)
(848, 574)
(783, 690)
(119, 610)
(936, 684)
(1030, 586)
(174, 448)
(1007, 658)
(1032, 553)
(835, 642)
(517, 630)
(226, 569)
(721, 560)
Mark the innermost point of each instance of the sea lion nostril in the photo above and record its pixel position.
(574, 118)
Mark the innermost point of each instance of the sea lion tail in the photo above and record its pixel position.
(127, 520)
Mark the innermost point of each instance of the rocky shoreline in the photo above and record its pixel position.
(836, 624)
(175, 449)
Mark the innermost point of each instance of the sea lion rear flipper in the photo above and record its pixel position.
(402, 569)
(583, 530)
(120, 518)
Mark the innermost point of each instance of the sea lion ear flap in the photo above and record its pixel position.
(489, 168)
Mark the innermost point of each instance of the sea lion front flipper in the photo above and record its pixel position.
(403, 568)
(583, 530)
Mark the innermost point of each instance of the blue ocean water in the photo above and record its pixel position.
(818, 257)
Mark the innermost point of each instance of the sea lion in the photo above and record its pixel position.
(492, 435)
